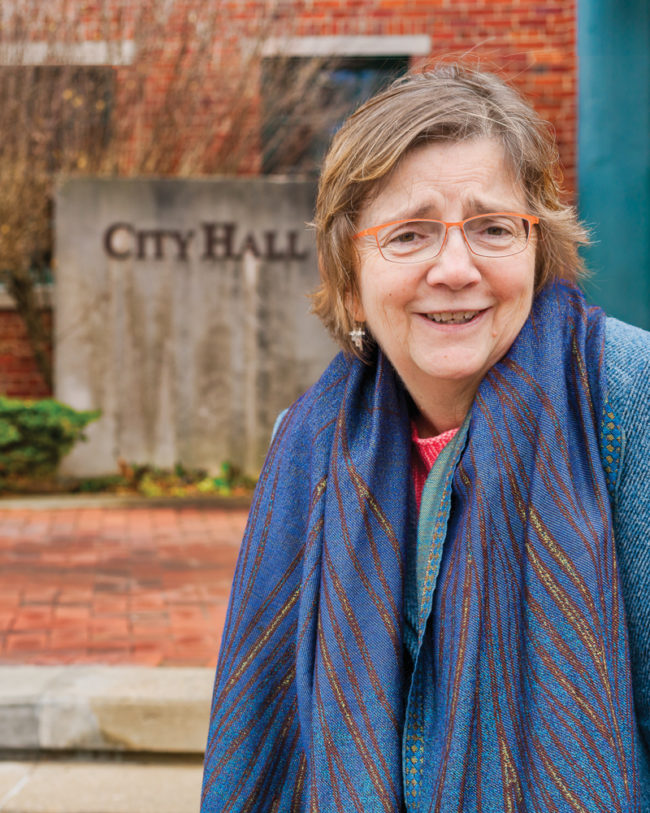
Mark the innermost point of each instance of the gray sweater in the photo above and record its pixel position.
(627, 360)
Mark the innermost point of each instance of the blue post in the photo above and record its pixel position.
(614, 153)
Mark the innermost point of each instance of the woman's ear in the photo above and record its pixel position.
(354, 307)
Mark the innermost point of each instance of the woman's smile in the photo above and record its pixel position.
(457, 317)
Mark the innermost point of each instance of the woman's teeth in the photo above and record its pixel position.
(453, 317)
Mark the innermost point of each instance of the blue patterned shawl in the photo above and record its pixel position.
(517, 694)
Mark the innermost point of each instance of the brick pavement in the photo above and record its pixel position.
(114, 585)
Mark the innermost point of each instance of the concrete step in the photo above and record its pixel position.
(104, 709)
(100, 787)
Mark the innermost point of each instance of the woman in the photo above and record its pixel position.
(429, 610)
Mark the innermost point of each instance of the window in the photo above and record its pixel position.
(306, 99)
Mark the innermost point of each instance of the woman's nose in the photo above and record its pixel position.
(455, 266)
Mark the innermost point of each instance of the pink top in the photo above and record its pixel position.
(425, 452)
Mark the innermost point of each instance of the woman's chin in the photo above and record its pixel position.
(455, 367)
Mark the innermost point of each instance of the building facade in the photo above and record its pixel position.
(346, 47)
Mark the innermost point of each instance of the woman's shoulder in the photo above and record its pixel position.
(321, 401)
(627, 364)
(627, 361)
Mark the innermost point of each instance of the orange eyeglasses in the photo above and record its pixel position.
(496, 234)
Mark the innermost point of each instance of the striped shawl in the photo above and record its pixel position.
(498, 680)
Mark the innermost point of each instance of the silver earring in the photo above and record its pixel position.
(357, 335)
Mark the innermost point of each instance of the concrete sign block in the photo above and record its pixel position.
(182, 313)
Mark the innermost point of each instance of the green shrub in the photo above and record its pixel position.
(230, 479)
(35, 435)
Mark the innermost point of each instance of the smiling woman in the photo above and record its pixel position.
(449, 315)
(441, 598)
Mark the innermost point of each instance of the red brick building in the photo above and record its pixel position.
(531, 43)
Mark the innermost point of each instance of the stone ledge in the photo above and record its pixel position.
(105, 708)
(78, 787)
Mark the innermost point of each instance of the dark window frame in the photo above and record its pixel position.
(295, 136)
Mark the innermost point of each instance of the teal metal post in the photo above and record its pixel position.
(614, 152)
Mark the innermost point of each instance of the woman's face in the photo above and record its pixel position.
(444, 322)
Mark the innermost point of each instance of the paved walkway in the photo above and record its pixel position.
(114, 585)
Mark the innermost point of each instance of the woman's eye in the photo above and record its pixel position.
(404, 237)
(492, 229)
(409, 237)
(498, 229)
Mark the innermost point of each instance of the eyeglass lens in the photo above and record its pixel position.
(493, 235)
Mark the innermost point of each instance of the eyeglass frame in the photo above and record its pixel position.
(532, 220)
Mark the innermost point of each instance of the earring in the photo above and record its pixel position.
(357, 335)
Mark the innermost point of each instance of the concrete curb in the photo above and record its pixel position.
(78, 787)
(105, 708)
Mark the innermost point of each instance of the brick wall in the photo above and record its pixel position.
(531, 43)
(19, 375)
